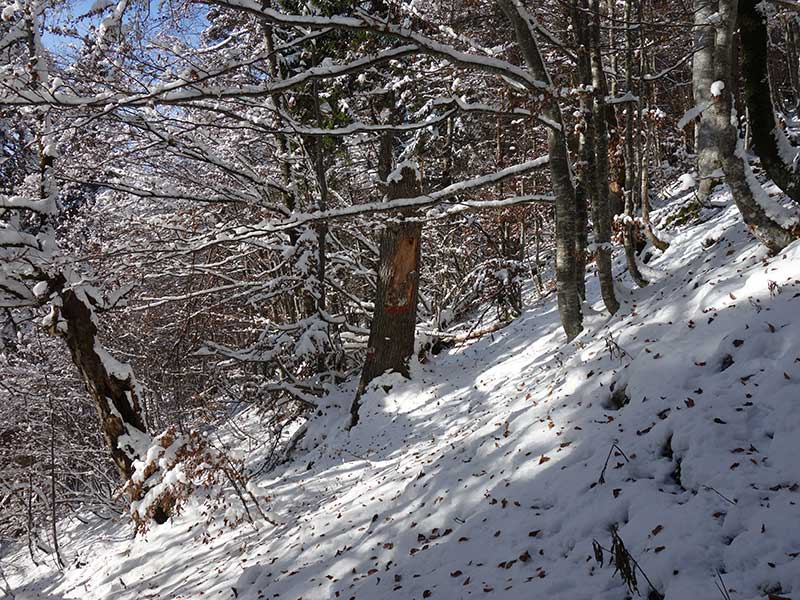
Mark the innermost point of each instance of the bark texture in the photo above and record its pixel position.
(601, 210)
(758, 97)
(111, 385)
(725, 136)
(569, 300)
(391, 335)
(708, 159)
(629, 224)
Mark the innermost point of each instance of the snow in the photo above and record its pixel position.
(686, 182)
(40, 289)
(23, 203)
(717, 87)
(100, 5)
(625, 98)
(690, 115)
(10, 9)
(788, 153)
(396, 175)
(785, 217)
(481, 476)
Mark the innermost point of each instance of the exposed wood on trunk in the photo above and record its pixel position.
(391, 336)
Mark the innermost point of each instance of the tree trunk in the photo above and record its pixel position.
(629, 223)
(646, 152)
(585, 191)
(725, 136)
(792, 41)
(569, 301)
(582, 196)
(758, 97)
(391, 335)
(110, 384)
(601, 214)
(649, 232)
(322, 228)
(708, 159)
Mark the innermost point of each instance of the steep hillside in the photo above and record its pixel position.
(495, 469)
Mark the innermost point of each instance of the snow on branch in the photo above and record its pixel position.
(466, 205)
(420, 201)
(44, 207)
(182, 90)
(452, 105)
(366, 22)
(670, 69)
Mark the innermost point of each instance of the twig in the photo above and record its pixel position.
(602, 478)
(708, 487)
(721, 586)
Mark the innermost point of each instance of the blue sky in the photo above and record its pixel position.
(76, 7)
(80, 7)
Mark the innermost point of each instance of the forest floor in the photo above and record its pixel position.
(493, 471)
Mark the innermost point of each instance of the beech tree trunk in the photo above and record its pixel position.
(593, 175)
(582, 198)
(708, 159)
(726, 138)
(649, 232)
(569, 300)
(601, 210)
(647, 97)
(391, 335)
(629, 224)
(585, 192)
(110, 384)
(758, 97)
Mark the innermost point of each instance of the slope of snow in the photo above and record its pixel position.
(481, 477)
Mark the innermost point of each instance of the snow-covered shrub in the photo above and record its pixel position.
(179, 467)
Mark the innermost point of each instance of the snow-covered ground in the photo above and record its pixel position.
(481, 477)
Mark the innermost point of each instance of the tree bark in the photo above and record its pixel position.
(726, 139)
(629, 223)
(110, 384)
(391, 335)
(569, 301)
(649, 232)
(601, 214)
(585, 192)
(758, 97)
(790, 31)
(708, 159)
(647, 97)
(322, 228)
